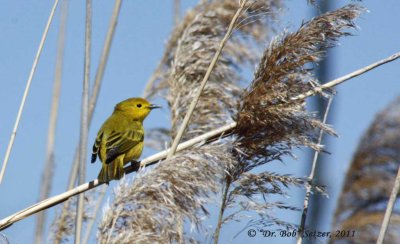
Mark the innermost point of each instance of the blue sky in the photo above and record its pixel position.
(142, 31)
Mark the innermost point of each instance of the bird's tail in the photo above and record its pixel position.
(112, 171)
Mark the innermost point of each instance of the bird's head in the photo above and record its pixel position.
(137, 108)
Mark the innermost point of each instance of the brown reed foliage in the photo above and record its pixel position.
(268, 117)
(270, 122)
(269, 125)
(369, 181)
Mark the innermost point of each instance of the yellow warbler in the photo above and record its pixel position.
(120, 138)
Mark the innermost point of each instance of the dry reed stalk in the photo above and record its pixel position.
(177, 11)
(95, 211)
(27, 88)
(369, 181)
(151, 160)
(348, 76)
(60, 220)
(84, 124)
(311, 178)
(389, 208)
(48, 170)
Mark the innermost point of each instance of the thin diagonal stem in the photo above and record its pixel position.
(48, 169)
(348, 76)
(311, 178)
(27, 88)
(205, 79)
(177, 11)
(104, 57)
(389, 208)
(222, 210)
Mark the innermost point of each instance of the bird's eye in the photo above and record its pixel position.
(139, 105)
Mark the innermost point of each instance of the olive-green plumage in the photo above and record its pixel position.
(120, 138)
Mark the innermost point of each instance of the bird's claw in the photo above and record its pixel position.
(135, 165)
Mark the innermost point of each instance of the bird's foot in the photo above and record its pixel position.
(135, 165)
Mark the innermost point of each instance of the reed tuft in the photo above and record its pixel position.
(369, 181)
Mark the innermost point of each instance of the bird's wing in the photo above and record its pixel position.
(96, 146)
(118, 143)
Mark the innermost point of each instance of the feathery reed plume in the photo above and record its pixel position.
(283, 74)
(269, 123)
(48, 170)
(268, 117)
(369, 181)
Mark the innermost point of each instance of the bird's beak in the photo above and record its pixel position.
(153, 106)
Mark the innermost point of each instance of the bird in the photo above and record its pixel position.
(120, 138)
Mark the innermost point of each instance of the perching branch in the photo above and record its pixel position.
(153, 159)
(205, 79)
(27, 87)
